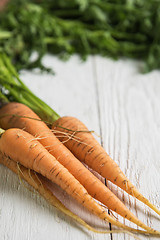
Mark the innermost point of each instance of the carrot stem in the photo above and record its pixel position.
(1, 131)
(19, 92)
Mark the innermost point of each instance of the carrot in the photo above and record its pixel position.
(20, 146)
(40, 130)
(32, 124)
(33, 180)
(86, 148)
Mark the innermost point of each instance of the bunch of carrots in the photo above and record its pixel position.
(36, 140)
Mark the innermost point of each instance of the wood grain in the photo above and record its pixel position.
(122, 106)
(130, 130)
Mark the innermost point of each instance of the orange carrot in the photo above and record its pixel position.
(20, 146)
(95, 188)
(86, 148)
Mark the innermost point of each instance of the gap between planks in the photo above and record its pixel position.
(97, 94)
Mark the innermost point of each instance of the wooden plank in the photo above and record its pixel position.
(129, 115)
(25, 215)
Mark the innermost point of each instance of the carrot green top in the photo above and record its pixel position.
(13, 89)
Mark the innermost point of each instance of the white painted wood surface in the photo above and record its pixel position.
(122, 106)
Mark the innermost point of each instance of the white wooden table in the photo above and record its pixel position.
(123, 107)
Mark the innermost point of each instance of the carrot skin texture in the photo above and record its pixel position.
(86, 148)
(61, 153)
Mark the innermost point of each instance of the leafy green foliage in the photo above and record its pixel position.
(114, 28)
